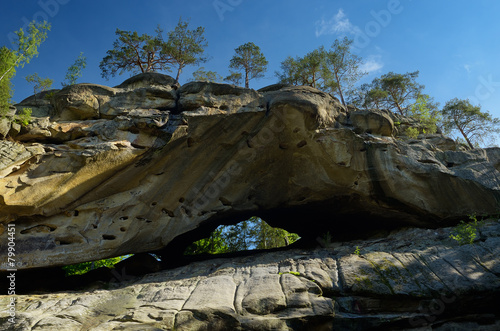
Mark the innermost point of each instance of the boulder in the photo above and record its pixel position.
(215, 98)
(5, 126)
(148, 79)
(376, 122)
(41, 104)
(81, 101)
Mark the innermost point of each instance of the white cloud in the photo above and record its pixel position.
(467, 68)
(338, 24)
(373, 63)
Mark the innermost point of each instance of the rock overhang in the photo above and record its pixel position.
(135, 180)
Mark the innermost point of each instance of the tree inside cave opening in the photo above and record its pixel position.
(250, 234)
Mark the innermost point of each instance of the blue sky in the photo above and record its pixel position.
(454, 44)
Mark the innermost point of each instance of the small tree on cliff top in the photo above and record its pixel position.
(186, 47)
(39, 84)
(397, 92)
(341, 69)
(75, 70)
(335, 70)
(304, 71)
(145, 53)
(250, 60)
(475, 126)
(25, 48)
(136, 53)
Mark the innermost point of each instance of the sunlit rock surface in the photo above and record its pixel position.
(112, 171)
(413, 279)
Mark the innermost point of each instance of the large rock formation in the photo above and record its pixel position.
(414, 279)
(104, 172)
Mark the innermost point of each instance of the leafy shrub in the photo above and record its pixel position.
(24, 116)
(412, 133)
(82, 268)
(465, 233)
(49, 95)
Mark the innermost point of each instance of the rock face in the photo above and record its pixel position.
(413, 279)
(150, 166)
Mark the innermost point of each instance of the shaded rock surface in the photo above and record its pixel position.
(411, 279)
(152, 166)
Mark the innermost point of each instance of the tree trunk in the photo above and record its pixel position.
(340, 90)
(246, 79)
(287, 242)
(5, 73)
(400, 109)
(178, 74)
(466, 138)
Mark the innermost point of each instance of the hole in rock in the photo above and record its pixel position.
(108, 237)
(63, 242)
(168, 212)
(345, 218)
(301, 143)
(251, 234)
(43, 228)
(84, 267)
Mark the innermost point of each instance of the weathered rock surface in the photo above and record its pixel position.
(149, 165)
(412, 279)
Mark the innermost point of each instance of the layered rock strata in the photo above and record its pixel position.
(413, 279)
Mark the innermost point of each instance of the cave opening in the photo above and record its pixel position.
(251, 234)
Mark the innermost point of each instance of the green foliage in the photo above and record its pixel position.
(295, 273)
(334, 71)
(82, 268)
(146, 53)
(397, 92)
(24, 117)
(253, 233)
(186, 47)
(269, 237)
(250, 60)
(411, 132)
(7, 68)
(201, 75)
(475, 126)
(234, 78)
(426, 112)
(48, 96)
(215, 244)
(25, 48)
(342, 68)
(304, 71)
(75, 70)
(39, 84)
(26, 45)
(136, 53)
(357, 251)
(465, 233)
